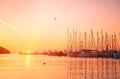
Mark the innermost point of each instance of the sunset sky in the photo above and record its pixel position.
(31, 25)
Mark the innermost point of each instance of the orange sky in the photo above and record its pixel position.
(30, 25)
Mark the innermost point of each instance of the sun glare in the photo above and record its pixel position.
(28, 51)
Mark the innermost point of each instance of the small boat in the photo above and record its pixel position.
(116, 54)
(84, 53)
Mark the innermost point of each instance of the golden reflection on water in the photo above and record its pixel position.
(28, 61)
(93, 68)
(32, 67)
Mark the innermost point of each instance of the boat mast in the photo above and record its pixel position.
(85, 40)
(119, 40)
(102, 46)
(98, 41)
(110, 43)
(106, 41)
(92, 40)
(71, 48)
(79, 44)
(75, 38)
(68, 40)
(89, 42)
(114, 41)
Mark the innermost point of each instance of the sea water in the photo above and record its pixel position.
(16, 66)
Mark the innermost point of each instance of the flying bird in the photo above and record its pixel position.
(54, 18)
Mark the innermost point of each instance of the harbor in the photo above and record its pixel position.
(93, 44)
(89, 45)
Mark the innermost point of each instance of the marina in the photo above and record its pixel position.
(78, 45)
(103, 45)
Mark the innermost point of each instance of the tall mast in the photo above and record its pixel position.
(119, 40)
(81, 41)
(102, 40)
(79, 44)
(71, 48)
(98, 41)
(89, 42)
(106, 41)
(75, 40)
(92, 40)
(85, 40)
(110, 43)
(114, 41)
(68, 40)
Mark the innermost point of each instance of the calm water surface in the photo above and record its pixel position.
(33, 67)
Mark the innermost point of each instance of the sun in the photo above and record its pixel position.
(28, 51)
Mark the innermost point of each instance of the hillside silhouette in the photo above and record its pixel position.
(4, 50)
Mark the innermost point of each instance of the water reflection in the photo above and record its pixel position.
(32, 67)
(27, 61)
(83, 68)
